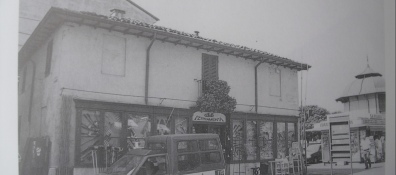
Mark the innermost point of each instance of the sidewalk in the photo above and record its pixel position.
(354, 165)
(378, 170)
(358, 169)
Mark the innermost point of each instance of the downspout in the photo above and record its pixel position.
(148, 68)
(31, 94)
(255, 86)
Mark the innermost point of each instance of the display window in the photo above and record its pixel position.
(265, 140)
(254, 139)
(106, 131)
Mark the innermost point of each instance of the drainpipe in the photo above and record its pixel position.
(31, 94)
(148, 68)
(255, 86)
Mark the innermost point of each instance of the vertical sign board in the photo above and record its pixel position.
(325, 146)
(340, 145)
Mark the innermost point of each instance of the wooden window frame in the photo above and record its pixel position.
(264, 118)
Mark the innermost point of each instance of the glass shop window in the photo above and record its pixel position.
(181, 125)
(163, 125)
(98, 133)
(138, 128)
(265, 140)
(291, 136)
(281, 139)
(251, 140)
(237, 139)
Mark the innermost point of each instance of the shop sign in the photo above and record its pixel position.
(373, 121)
(209, 117)
(376, 116)
(324, 124)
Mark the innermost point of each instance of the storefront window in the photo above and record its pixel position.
(163, 125)
(251, 140)
(265, 140)
(99, 133)
(281, 140)
(237, 139)
(181, 125)
(139, 127)
(291, 136)
(90, 134)
(112, 129)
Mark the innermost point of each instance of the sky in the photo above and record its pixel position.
(334, 37)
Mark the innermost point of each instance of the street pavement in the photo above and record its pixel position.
(358, 169)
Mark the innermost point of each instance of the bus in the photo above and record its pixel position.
(190, 154)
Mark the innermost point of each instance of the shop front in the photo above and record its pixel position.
(363, 126)
(105, 131)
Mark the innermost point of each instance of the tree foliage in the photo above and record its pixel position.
(215, 98)
(316, 115)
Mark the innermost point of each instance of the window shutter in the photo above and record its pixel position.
(210, 67)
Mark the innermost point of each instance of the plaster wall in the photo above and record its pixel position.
(45, 120)
(362, 102)
(173, 71)
(31, 12)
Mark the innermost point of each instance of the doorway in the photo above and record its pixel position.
(214, 129)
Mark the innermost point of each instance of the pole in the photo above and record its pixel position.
(331, 158)
(305, 143)
(350, 145)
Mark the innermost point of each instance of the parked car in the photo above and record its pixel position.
(314, 153)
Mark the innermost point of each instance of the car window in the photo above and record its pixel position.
(187, 146)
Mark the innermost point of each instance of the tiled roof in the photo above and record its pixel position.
(56, 16)
(173, 31)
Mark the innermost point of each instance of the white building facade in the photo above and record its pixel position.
(90, 81)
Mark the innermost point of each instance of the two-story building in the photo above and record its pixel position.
(90, 81)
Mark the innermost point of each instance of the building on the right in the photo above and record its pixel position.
(364, 104)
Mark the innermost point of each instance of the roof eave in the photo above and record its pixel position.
(82, 19)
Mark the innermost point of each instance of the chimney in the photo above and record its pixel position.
(196, 33)
(117, 13)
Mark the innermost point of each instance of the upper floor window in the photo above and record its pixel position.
(381, 103)
(49, 58)
(210, 67)
(275, 82)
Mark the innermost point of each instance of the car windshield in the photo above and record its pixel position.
(313, 148)
(125, 164)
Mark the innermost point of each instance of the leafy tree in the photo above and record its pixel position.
(215, 98)
(314, 114)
